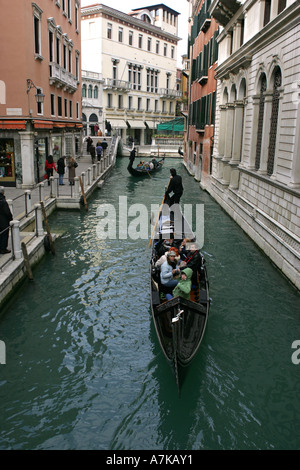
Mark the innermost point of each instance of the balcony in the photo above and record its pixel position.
(224, 10)
(61, 78)
(168, 93)
(112, 84)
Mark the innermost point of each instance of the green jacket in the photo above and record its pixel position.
(183, 288)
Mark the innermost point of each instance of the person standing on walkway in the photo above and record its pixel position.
(104, 146)
(93, 152)
(99, 150)
(5, 218)
(49, 167)
(72, 164)
(61, 170)
(175, 187)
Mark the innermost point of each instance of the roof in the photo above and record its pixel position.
(157, 6)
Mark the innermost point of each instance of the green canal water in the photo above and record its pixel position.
(84, 369)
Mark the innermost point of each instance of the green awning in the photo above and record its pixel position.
(176, 125)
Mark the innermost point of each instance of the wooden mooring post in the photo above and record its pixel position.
(26, 261)
(48, 229)
(83, 194)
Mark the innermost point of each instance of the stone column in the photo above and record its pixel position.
(229, 131)
(76, 187)
(16, 240)
(222, 130)
(39, 220)
(27, 157)
(255, 116)
(237, 132)
(89, 178)
(266, 133)
(28, 206)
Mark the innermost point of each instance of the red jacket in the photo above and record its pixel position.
(49, 165)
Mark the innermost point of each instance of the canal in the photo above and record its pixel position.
(84, 369)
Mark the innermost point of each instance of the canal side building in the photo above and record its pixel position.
(203, 53)
(40, 93)
(256, 157)
(136, 56)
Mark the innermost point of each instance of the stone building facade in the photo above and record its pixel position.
(40, 96)
(136, 56)
(256, 158)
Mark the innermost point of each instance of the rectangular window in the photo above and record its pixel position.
(65, 57)
(77, 110)
(39, 105)
(130, 38)
(172, 52)
(70, 61)
(71, 109)
(267, 12)
(66, 107)
(109, 30)
(156, 106)
(129, 102)
(52, 98)
(120, 34)
(57, 51)
(157, 47)
(139, 104)
(59, 107)
(109, 100)
(50, 46)
(149, 45)
(148, 104)
(140, 41)
(120, 101)
(76, 17)
(37, 48)
(165, 49)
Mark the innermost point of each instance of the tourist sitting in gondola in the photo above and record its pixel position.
(163, 258)
(184, 286)
(191, 258)
(169, 269)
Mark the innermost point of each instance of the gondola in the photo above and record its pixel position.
(136, 171)
(179, 323)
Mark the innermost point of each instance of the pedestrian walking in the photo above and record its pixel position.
(93, 152)
(49, 167)
(61, 170)
(99, 150)
(5, 218)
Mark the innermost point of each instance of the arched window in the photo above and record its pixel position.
(90, 91)
(95, 92)
(274, 119)
(263, 87)
(84, 91)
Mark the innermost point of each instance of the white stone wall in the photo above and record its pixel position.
(266, 207)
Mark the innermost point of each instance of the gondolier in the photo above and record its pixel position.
(175, 187)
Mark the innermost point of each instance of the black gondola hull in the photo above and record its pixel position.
(142, 172)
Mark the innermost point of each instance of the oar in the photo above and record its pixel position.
(158, 214)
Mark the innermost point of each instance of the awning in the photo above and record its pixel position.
(150, 124)
(136, 124)
(118, 124)
(43, 124)
(12, 124)
(176, 125)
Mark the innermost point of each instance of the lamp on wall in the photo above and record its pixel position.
(39, 96)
